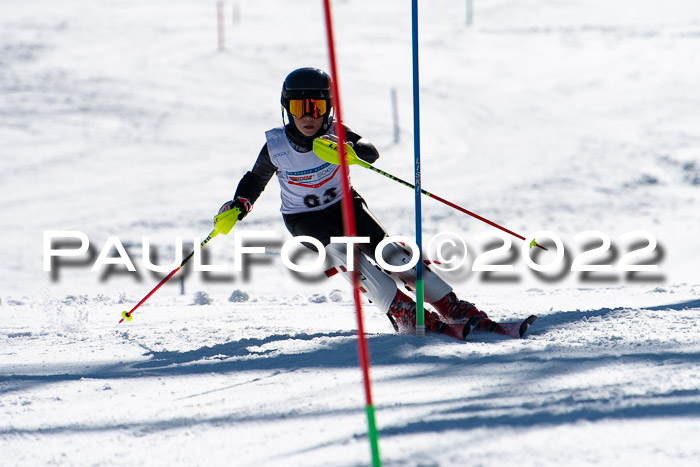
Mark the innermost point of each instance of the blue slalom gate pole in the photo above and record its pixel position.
(420, 318)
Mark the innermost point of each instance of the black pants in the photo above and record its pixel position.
(327, 223)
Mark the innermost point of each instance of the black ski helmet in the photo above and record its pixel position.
(307, 83)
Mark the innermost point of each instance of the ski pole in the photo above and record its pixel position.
(223, 223)
(326, 149)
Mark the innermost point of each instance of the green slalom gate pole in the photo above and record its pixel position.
(223, 223)
(326, 149)
(420, 317)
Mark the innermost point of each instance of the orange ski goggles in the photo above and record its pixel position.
(315, 107)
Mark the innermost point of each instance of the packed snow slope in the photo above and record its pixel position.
(121, 120)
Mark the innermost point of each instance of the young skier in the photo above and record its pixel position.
(311, 194)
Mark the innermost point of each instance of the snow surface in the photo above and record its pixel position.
(121, 119)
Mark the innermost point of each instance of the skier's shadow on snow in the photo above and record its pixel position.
(262, 353)
(338, 349)
(563, 318)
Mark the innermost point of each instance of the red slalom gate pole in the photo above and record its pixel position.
(350, 231)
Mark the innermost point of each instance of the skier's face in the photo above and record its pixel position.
(308, 125)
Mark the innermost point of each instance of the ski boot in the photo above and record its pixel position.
(454, 310)
(402, 314)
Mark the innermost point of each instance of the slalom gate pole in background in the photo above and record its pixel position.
(395, 115)
(236, 14)
(327, 150)
(470, 12)
(350, 231)
(220, 25)
(223, 223)
(420, 318)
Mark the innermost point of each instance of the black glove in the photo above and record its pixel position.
(334, 138)
(243, 205)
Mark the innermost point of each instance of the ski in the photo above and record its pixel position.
(515, 330)
(469, 326)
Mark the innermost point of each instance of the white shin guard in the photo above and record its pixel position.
(434, 288)
(375, 283)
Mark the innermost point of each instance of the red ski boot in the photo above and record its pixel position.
(402, 314)
(454, 310)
